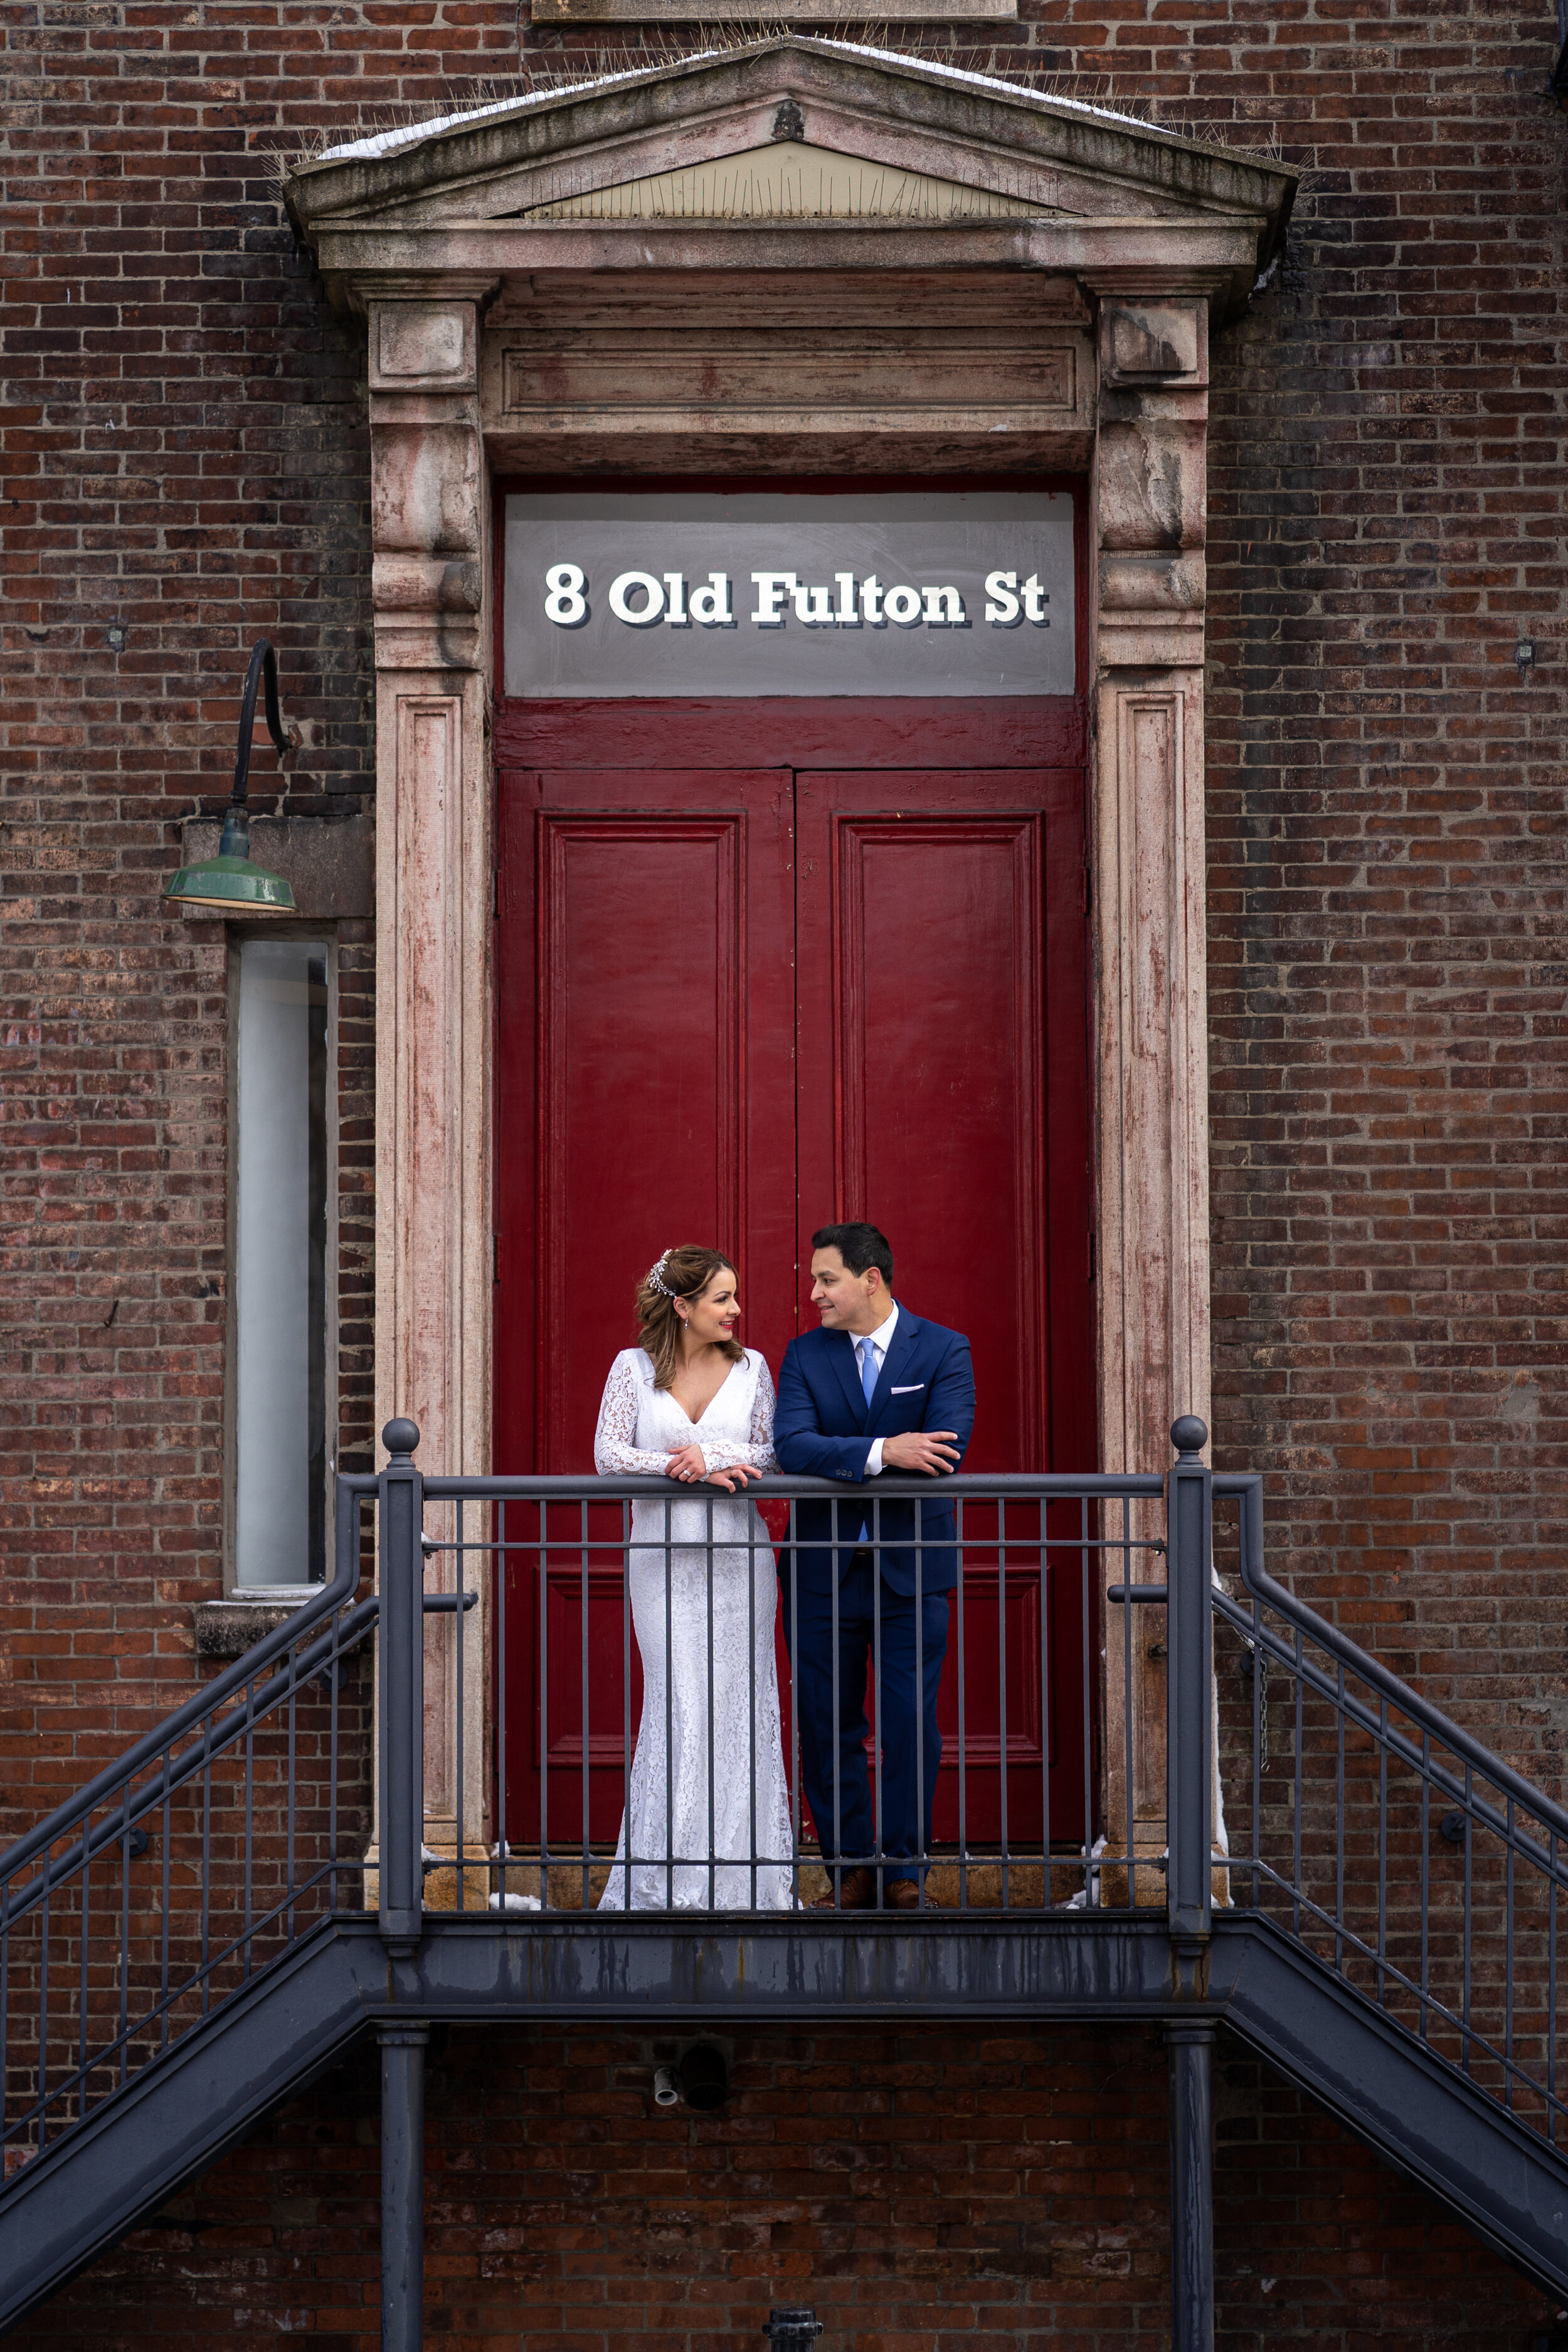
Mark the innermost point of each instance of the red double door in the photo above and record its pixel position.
(742, 996)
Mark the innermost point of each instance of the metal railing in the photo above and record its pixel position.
(1386, 1840)
(691, 1710)
(237, 1827)
(141, 1905)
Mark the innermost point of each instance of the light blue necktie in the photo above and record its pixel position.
(868, 1383)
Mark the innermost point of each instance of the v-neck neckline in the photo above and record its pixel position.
(712, 1400)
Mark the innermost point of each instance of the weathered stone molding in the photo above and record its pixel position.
(1150, 993)
(430, 517)
(1144, 236)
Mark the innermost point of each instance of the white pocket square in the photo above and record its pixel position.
(913, 1389)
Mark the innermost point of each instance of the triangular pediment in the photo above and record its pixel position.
(783, 132)
(871, 108)
(788, 180)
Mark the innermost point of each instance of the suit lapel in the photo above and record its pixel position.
(841, 1348)
(895, 1364)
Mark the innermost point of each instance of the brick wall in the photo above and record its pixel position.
(922, 2188)
(185, 453)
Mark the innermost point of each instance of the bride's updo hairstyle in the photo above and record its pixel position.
(684, 1274)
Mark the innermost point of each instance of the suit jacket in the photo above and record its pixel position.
(823, 1428)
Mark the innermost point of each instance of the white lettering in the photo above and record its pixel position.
(565, 604)
(621, 588)
(849, 603)
(814, 606)
(944, 609)
(772, 588)
(710, 606)
(1004, 611)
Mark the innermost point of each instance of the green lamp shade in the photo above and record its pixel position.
(230, 884)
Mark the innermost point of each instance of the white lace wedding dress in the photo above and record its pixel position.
(667, 1813)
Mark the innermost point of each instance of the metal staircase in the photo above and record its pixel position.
(186, 1944)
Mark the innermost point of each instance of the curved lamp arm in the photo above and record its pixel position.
(231, 883)
(263, 664)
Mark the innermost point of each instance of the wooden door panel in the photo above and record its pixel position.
(943, 1073)
(645, 1061)
(648, 1024)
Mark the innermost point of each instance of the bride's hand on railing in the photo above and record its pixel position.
(689, 1466)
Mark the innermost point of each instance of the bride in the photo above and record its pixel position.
(689, 1403)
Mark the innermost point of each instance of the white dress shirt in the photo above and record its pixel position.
(878, 1342)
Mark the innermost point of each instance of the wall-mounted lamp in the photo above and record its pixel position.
(1524, 655)
(229, 884)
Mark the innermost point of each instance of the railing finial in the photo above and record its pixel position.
(1189, 1435)
(401, 1439)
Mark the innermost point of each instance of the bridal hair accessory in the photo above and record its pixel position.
(655, 1276)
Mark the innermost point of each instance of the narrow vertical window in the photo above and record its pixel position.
(280, 1263)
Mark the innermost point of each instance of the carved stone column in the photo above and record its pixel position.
(430, 528)
(1151, 998)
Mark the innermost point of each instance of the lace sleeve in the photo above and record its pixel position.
(614, 1455)
(719, 1453)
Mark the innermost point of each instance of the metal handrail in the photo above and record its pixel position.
(1248, 1488)
(1362, 1715)
(588, 1486)
(153, 1744)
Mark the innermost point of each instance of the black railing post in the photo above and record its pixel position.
(401, 1726)
(1190, 2050)
(401, 2184)
(1189, 1697)
(1189, 1876)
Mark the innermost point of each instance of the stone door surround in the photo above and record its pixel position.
(532, 302)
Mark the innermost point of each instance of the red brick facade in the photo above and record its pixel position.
(990, 2192)
(185, 455)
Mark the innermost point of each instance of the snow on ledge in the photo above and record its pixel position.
(390, 142)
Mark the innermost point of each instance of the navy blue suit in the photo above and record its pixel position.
(824, 1428)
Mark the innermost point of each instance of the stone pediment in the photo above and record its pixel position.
(788, 180)
(870, 154)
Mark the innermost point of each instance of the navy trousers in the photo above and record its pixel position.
(908, 1739)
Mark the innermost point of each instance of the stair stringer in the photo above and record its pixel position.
(217, 2084)
(1500, 2176)
(175, 2118)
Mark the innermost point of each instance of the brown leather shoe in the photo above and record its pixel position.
(856, 1891)
(901, 1894)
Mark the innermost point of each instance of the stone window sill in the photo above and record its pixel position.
(227, 1629)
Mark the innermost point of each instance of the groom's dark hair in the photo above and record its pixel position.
(860, 1247)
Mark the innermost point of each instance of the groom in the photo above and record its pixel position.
(876, 1389)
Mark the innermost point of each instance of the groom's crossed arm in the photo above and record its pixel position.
(950, 1399)
(805, 1452)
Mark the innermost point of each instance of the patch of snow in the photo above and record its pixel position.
(996, 81)
(390, 142)
(387, 143)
